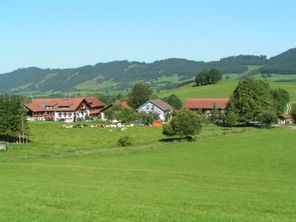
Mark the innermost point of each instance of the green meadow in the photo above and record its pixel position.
(48, 138)
(223, 88)
(238, 176)
(81, 174)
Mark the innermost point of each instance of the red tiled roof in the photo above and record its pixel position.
(95, 112)
(62, 104)
(124, 104)
(285, 116)
(205, 103)
(93, 102)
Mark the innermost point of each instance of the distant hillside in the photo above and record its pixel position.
(284, 63)
(120, 75)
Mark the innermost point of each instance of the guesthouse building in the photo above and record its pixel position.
(65, 109)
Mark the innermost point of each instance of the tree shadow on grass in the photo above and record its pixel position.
(177, 139)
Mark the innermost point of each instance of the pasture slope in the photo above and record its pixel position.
(223, 88)
(241, 177)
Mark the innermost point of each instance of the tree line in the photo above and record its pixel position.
(206, 77)
(13, 123)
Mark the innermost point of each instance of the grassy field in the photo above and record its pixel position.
(222, 89)
(52, 138)
(242, 177)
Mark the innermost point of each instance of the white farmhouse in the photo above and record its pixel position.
(156, 106)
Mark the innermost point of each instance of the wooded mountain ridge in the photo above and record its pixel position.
(119, 75)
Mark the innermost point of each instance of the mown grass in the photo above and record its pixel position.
(242, 177)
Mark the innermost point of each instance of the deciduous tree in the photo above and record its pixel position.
(139, 94)
(184, 123)
(250, 98)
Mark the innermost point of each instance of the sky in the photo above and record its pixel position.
(73, 33)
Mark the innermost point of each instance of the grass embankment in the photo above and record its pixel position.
(237, 177)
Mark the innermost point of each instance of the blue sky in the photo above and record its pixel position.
(72, 33)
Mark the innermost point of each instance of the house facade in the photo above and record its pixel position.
(157, 106)
(65, 109)
(285, 119)
(206, 105)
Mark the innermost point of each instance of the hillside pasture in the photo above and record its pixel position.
(223, 88)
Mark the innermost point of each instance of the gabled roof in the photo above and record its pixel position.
(205, 103)
(285, 116)
(60, 104)
(98, 111)
(124, 104)
(160, 104)
(93, 102)
(54, 104)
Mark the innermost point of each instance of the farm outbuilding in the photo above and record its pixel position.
(285, 119)
(206, 105)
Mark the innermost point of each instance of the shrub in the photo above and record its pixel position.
(124, 141)
(230, 119)
(185, 123)
(126, 115)
(266, 118)
(147, 118)
(168, 130)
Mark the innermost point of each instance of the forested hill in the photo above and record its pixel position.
(284, 63)
(119, 75)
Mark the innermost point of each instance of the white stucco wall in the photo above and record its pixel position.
(149, 107)
(79, 114)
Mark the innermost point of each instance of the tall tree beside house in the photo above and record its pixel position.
(249, 100)
(13, 124)
(184, 124)
(215, 114)
(139, 94)
(174, 101)
(280, 98)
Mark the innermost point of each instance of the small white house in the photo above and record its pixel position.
(156, 106)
